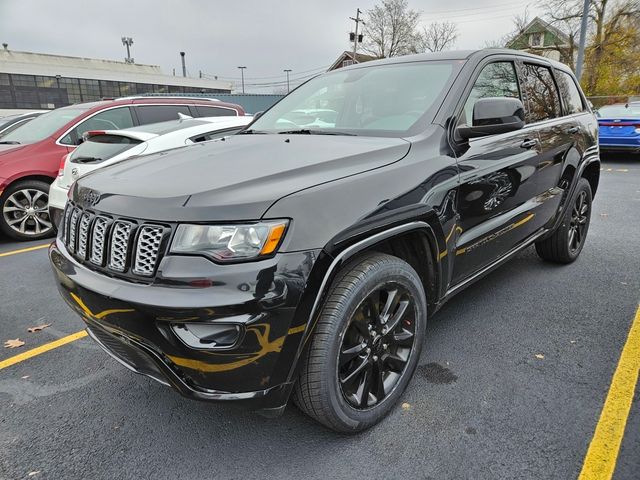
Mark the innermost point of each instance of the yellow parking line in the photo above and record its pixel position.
(23, 250)
(42, 348)
(600, 461)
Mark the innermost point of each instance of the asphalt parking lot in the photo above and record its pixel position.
(511, 384)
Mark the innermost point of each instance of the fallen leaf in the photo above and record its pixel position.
(539, 356)
(25, 377)
(35, 472)
(406, 406)
(572, 341)
(14, 343)
(624, 283)
(604, 214)
(38, 328)
(622, 170)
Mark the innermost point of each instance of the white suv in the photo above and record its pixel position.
(105, 147)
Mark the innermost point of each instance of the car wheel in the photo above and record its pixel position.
(366, 344)
(24, 211)
(565, 244)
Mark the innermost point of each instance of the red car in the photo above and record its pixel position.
(30, 155)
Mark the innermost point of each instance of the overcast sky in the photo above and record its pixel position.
(266, 36)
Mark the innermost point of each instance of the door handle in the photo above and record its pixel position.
(529, 143)
(573, 130)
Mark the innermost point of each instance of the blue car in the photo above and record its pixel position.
(619, 127)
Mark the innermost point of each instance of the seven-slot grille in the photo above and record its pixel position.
(117, 245)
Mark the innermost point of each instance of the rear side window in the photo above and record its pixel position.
(569, 92)
(113, 119)
(160, 113)
(495, 80)
(215, 112)
(102, 147)
(540, 90)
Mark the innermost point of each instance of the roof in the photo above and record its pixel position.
(546, 26)
(30, 63)
(454, 55)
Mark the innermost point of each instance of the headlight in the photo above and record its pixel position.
(229, 242)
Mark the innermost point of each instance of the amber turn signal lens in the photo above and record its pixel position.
(275, 234)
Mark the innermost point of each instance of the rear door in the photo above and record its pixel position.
(559, 132)
(497, 178)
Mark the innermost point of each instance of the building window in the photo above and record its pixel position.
(536, 39)
(109, 89)
(23, 80)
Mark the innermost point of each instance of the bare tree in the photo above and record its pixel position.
(438, 36)
(391, 29)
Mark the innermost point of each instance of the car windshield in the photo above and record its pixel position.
(43, 126)
(619, 111)
(381, 100)
(101, 147)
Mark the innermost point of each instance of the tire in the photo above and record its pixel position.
(327, 389)
(566, 243)
(27, 198)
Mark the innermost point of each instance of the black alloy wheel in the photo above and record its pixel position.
(579, 222)
(376, 346)
(566, 242)
(365, 345)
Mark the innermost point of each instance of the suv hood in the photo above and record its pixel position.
(235, 179)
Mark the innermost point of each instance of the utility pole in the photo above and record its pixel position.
(184, 65)
(583, 38)
(355, 37)
(127, 42)
(287, 71)
(242, 74)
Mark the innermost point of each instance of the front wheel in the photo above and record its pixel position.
(366, 344)
(24, 210)
(565, 244)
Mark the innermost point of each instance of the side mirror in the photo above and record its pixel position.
(493, 115)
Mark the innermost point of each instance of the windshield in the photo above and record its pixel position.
(43, 126)
(619, 111)
(382, 100)
(101, 147)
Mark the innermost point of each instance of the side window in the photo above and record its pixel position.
(215, 112)
(160, 113)
(569, 93)
(495, 80)
(540, 90)
(113, 119)
(205, 137)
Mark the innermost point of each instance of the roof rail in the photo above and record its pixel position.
(194, 97)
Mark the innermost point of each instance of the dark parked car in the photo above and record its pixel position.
(32, 154)
(307, 261)
(9, 123)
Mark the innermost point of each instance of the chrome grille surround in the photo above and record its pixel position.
(83, 235)
(73, 224)
(119, 249)
(98, 238)
(64, 234)
(147, 249)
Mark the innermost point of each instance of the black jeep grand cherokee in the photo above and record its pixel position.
(304, 256)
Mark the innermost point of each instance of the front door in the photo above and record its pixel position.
(498, 184)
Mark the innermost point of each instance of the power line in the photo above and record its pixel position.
(222, 77)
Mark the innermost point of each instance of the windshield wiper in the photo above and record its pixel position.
(307, 131)
(86, 160)
(9, 142)
(249, 132)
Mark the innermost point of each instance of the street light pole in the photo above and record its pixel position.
(583, 38)
(242, 74)
(287, 71)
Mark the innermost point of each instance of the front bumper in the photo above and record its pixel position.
(135, 322)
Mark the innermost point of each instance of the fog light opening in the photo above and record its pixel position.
(208, 336)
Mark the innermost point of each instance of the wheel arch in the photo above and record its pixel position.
(31, 176)
(407, 239)
(592, 173)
